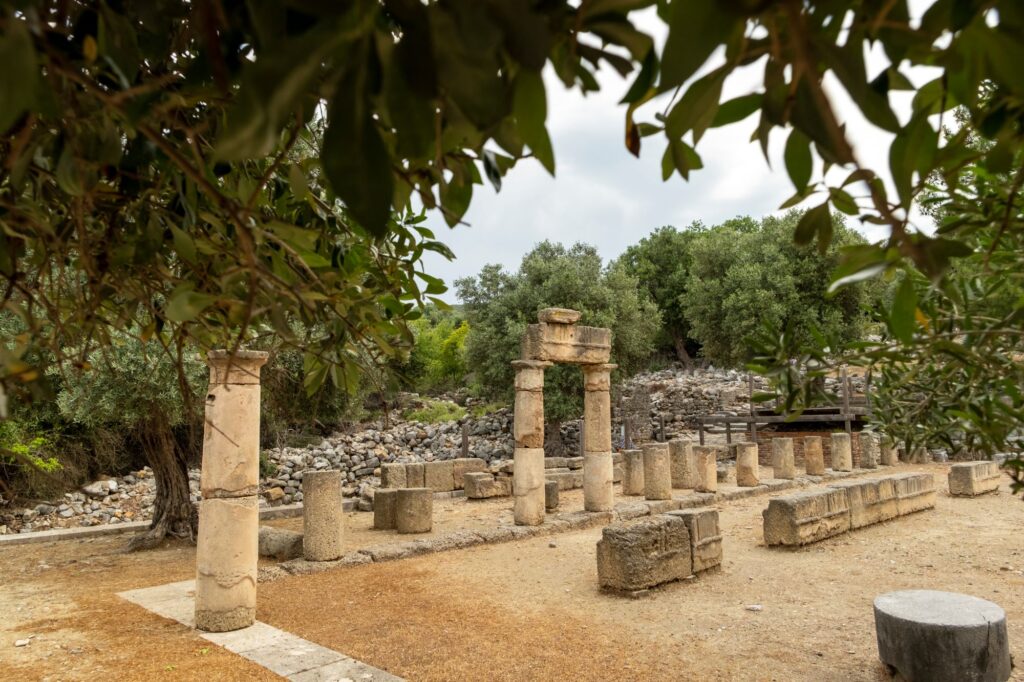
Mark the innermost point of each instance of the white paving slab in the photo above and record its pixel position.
(280, 652)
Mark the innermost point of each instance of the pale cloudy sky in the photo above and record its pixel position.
(602, 195)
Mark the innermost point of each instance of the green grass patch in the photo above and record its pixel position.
(436, 412)
(486, 409)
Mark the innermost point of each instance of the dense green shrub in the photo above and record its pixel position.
(438, 359)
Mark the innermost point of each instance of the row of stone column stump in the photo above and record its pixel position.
(407, 510)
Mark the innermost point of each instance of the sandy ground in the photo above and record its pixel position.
(528, 610)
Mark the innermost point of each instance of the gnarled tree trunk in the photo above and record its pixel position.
(173, 512)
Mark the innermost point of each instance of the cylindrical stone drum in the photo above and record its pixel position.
(598, 493)
(748, 472)
(814, 457)
(550, 495)
(657, 472)
(528, 486)
(684, 464)
(707, 469)
(782, 458)
(322, 516)
(384, 501)
(632, 472)
(227, 553)
(414, 510)
(842, 454)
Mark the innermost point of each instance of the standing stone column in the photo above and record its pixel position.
(748, 471)
(814, 457)
(782, 458)
(321, 515)
(707, 469)
(227, 548)
(632, 472)
(842, 454)
(528, 431)
(597, 438)
(657, 472)
(684, 463)
(887, 452)
(868, 449)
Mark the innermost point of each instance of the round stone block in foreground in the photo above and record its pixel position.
(942, 636)
(414, 510)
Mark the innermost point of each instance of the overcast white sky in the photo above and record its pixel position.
(602, 195)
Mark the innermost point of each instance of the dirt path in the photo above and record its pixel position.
(526, 609)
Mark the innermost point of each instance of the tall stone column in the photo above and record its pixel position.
(528, 431)
(228, 544)
(597, 438)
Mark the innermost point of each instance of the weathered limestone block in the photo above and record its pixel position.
(567, 343)
(888, 455)
(705, 537)
(806, 517)
(415, 475)
(657, 471)
(567, 480)
(842, 454)
(464, 465)
(393, 476)
(528, 486)
(550, 495)
(684, 463)
(748, 471)
(556, 462)
(869, 449)
(814, 458)
(385, 501)
(439, 476)
(942, 636)
(632, 472)
(871, 501)
(231, 434)
(598, 494)
(528, 416)
(279, 543)
(973, 478)
(914, 492)
(559, 316)
(322, 516)
(227, 553)
(480, 485)
(644, 554)
(574, 462)
(782, 458)
(707, 469)
(414, 510)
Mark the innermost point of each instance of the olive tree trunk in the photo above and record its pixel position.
(174, 514)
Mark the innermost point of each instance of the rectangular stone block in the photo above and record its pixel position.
(914, 492)
(393, 476)
(644, 554)
(439, 476)
(556, 463)
(968, 479)
(464, 465)
(807, 517)
(575, 462)
(871, 501)
(565, 481)
(481, 485)
(567, 343)
(415, 475)
(705, 537)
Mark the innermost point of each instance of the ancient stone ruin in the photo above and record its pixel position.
(557, 338)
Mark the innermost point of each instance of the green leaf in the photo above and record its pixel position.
(696, 28)
(737, 109)
(644, 80)
(696, 109)
(19, 73)
(685, 158)
(816, 221)
(842, 200)
(492, 170)
(798, 159)
(913, 149)
(184, 305)
(901, 315)
(530, 107)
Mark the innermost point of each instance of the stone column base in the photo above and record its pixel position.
(528, 486)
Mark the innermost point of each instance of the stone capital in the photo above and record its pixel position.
(241, 367)
(597, 377)
(530, 374)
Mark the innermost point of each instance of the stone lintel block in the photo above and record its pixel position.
(598, 472)
(973, 478)
(393, 475)
(322, 515)
(242, 367)
(439, 475)
(705, 536)
(227, 553)
(567, 343)
(559, 315)
(748, 470)
(814, 457)
(871, 501)
(842, 453)
(806, 517)
(415, 475)
(464, 465)
(684, 463)
(528, 486)
(414, 510)
(657, 471)
(914, 492)
(782, 459)
(481, 485)
(632, 472)
(643, 554)
(384, 503)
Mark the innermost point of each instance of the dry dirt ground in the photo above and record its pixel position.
(529, 610)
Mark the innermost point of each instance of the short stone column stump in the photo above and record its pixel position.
(967, 479)
(942, 636)
(550, 495)
(632, 472)
(814, 458)
(322, 517)
(748, 471)
(384, 503)
(657, 471)
(782, 459)
(414, 510)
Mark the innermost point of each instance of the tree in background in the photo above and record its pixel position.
(661, 263)
(746, 275)
(499, 306)
(438, 358)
